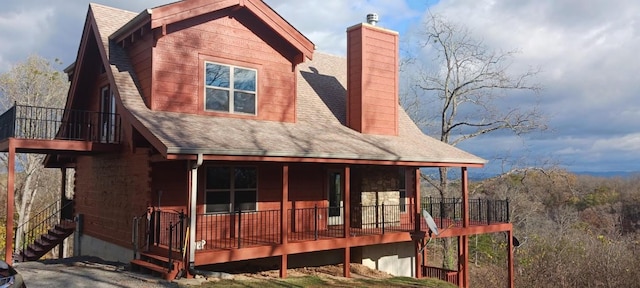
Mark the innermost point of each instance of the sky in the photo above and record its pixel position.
(587, 51)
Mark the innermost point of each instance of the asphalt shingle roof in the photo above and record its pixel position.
(319, 131)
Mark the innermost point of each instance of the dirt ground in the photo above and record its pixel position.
(328, 271)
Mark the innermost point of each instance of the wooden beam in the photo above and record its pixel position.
(293, 159)
(63, 200)
(346, 268)
(415, 182)
(510, 259)
(284, 223)
(8, 256)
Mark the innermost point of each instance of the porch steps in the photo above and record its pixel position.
(46, 242)
(154, 264)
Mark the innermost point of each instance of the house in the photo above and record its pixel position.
(208, 134)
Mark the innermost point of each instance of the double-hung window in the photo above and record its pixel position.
(230, 189)
(230, 88)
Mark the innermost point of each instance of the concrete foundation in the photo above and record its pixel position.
(397, 259)
(90, 246)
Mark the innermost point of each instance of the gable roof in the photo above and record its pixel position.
(319, 131)
(164, 15)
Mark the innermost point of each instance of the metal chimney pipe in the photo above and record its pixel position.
(372, 18)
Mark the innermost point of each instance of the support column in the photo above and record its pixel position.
(8, 256)
(284, 223)
(347, 221)
(510, 258)
(63, 201)
(420, 257)
(193, 200)
(464, 244)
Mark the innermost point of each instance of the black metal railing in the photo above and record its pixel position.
(140, 232)
(32, 122)
(240, 229)
(40, 223)
(161, 232)
(380, 219)
(237, 229)
(176, 238)
(447, 212)
(315, 223)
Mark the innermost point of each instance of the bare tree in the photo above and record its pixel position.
(462, 90)
(34, 82)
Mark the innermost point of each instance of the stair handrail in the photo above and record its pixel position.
(52, 219)
(135, 231)
(173, 227)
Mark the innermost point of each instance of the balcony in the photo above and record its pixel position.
(42, 129)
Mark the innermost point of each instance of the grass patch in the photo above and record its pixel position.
(315, 281)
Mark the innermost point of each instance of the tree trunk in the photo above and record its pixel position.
(26, 203)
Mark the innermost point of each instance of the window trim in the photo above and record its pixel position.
(231, 190)
(231, 89)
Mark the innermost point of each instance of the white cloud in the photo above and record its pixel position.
(23, 30)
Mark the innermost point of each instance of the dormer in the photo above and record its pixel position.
(216, 58)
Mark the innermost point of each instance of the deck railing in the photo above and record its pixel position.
(440, 273)
(315, 223)
(447, 212)
(239, 229)
(42, 123)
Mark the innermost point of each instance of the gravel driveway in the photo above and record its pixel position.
(84, 272)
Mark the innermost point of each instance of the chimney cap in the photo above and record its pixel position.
(372, 18)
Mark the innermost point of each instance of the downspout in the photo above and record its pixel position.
(192, 209)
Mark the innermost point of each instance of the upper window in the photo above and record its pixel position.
(231, 189)
(230, 89)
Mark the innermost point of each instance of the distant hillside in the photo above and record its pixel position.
(608, 174)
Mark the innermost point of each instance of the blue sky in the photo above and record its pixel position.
(587, 51)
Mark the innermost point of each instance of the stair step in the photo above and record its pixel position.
(43, 242)
(162, 257)
(150, 266)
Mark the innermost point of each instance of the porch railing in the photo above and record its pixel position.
(440, 273)
(316, 223)
(239, 229)
(42, 123)
(448, 211)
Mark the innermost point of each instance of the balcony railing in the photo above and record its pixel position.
(447, 212)
(241, 229)
(42, 123)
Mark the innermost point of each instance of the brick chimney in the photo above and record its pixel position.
(372, 78)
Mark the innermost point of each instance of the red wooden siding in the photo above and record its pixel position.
(172, 178)
(140, 54)
(178, 60)
(113, 189)
(372, 80)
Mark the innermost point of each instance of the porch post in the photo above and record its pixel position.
(416, 212)
(63, 198)
(510, 258)
(8, 256)
(193, 197)
(347, 221)
(284, 224)
(465, 223)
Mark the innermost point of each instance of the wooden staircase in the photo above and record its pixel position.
(156, 263)
(47, 241)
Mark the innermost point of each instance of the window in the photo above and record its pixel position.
(230, 189)
(107, 116)
(230, 89)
